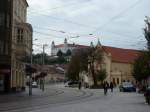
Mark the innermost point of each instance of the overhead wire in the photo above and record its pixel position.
(118, 15)
(105, 24)
(96, 29)
(62, 6)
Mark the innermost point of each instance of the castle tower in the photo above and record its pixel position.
(65, 45)
(65, 41)
(92, 45)
(99, 44)
(53, 48)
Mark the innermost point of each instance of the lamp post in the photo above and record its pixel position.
(30, 76)
(43, 63)
(43, 60)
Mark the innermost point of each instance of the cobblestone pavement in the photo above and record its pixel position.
(60, 99)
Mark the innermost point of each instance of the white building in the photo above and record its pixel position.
(65, 47)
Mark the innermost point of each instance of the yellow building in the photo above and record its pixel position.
(16, 44)
(118, 63)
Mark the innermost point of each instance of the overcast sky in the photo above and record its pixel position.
(116, 23)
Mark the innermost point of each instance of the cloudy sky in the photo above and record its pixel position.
(117, 23)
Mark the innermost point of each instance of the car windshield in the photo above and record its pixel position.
(127, 84)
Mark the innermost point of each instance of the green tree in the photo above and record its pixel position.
(68, 53)
(59, 53)
(95, 55)
(73, 68)
(83, 59)
(78, 63)
(147, 32)
(141, 69)
(101, 75)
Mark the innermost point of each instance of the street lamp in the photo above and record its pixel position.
(30, 76)
(43, 63)
(43, 60)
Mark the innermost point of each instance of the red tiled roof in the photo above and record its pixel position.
(122, 55)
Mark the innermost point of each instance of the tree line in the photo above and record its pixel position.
(141, 69)
(84, 60)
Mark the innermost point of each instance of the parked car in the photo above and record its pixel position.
(71, 84)
(34, 84)
(147, 95)
(127, 87)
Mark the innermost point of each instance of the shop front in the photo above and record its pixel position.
(5, 76)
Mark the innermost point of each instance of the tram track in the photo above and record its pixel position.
(47, 103)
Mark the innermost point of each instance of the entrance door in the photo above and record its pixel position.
(7, 83)
(1, 83)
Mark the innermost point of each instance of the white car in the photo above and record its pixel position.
(34, 84)
(72, 84)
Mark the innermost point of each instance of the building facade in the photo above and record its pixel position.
(15, 44)
(118, 63)
(65, 47)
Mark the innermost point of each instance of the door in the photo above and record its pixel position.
(7, 83)
(1, 83)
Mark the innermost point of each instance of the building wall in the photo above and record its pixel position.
(121, 72)
(54, 77)
(21, 43)
(5, 44)
(107, 65)
(116, 71)
(64, 49)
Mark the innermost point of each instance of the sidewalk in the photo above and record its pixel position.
(36, 93)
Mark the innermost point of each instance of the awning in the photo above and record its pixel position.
(5, 71)
(30, 69)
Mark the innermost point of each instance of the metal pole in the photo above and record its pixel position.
(30, 77)
(43, 66)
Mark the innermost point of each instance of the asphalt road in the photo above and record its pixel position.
(60, 99)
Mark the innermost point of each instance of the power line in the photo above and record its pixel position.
(66, 20)
(104, 25)
(78, 35)
(60, 31)
(46, 34)
(66, 5)
(118, 15)
(91, 27)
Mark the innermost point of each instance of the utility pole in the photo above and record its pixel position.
(30, 75)
(43, 63)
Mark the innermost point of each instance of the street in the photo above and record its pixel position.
(57, 98)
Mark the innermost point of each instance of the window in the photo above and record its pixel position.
(114, 80)
(6, 48)
(1, 47)
(8, 21)
(118, 81)
(20, 36)
(2, 18)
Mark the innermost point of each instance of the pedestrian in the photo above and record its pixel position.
(105, 86)
(111, 86)
(86, 81)
(79, 85)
